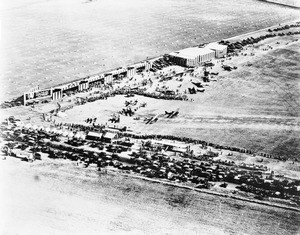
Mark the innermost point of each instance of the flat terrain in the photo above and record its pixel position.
(292, 3)
(58, 197)
(254, 107)
(50, 42)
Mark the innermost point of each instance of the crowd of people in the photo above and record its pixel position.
(154, 164)
(96, 127)
(80, 127)
(204, 143)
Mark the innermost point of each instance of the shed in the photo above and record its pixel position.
(176, 147)
(109, 136)
(94, 136)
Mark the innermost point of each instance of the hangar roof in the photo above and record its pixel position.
(216, 46)
(191, 52)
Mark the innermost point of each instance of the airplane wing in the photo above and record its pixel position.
(154, 118)
(148, 120)
(174, 113)
(170, 114)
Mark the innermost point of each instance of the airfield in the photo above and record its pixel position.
(255, 107)
(50, 42)
(249, 107)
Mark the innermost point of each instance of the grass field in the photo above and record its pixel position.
(49, 42)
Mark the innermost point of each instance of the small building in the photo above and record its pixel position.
(94, 136)
(109, 137)
(124, 157)
(192, 56)
(171, 146)
(219, 49)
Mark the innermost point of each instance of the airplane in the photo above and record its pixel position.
(172, 113)
(114, 118)
(147, 120)
(58, 105)
(152, 120)
(144, 104)
(175, 113)
(131, 102)
(226, 67)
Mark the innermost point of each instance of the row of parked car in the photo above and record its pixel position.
(150, 162)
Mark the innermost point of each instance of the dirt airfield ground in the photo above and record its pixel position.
(255, 107)
(244, 108)
(58, 197)
(49, 42)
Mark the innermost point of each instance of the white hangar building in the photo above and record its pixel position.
(219, 49)
(192, 56)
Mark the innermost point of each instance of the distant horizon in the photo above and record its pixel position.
(288, 3)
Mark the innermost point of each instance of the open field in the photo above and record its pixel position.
(49, 42)
(255, 107)
(291, 3)
(60, 197)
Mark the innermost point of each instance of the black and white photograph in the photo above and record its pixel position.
(150, 117)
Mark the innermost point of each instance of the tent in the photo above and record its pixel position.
(28, 126)
(77, 135)
(82, 136)
(71, 135)
(21, 124)
(61, 114)
(65, 133)
(124, 157)
(52, 130)
(60, 132)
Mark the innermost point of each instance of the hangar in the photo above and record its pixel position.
(219, 49)
(192, 56)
